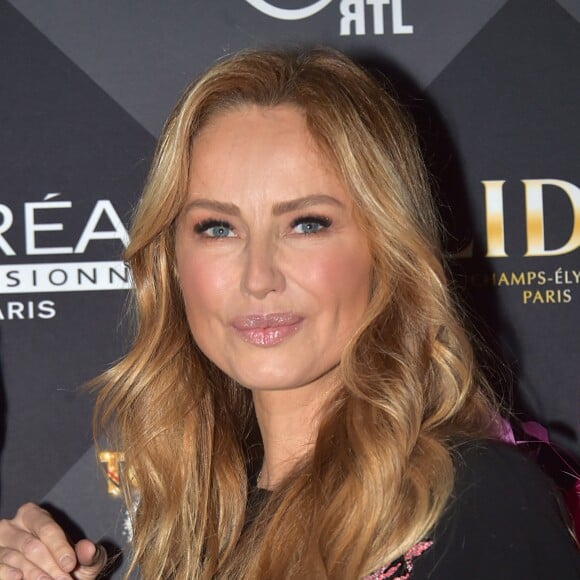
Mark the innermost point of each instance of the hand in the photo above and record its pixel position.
(34, 547)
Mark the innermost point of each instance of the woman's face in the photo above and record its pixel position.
(274, 269)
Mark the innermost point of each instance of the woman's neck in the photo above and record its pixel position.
(288, 421)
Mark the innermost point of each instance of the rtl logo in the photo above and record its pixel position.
(355, 15)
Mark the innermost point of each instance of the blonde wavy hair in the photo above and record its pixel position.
(381, 471)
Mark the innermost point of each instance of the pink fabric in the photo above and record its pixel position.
(401, 568)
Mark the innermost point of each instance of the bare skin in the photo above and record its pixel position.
(34, 547)
(274, 268)
(288, 424)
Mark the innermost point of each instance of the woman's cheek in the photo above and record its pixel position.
(208, 282)
(339, 267)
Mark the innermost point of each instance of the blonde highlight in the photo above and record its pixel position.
(381, 472)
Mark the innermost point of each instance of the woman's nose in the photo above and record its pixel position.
(261, 273)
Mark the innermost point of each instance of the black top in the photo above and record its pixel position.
(504, 521)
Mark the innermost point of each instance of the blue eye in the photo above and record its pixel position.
(214, 229)
(310, 224)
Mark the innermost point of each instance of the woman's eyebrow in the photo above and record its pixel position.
(212, 204)
(304, 202)
(278, 209)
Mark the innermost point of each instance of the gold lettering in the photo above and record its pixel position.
(112, 461)
(494, 219)
(503, 280)
(535, 216)
(547, 296)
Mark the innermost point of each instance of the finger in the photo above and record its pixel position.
(24, 551)
(92, 559)
(41, 524)
(9, 573)
(14, 563)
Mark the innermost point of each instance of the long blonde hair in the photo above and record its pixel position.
(381, 471)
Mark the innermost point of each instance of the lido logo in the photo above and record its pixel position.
(354, 14)
(537, 193)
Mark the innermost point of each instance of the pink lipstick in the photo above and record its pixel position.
(267, 329)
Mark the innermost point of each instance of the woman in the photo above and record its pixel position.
(301, 399)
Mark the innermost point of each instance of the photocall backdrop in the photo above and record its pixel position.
(84, 90)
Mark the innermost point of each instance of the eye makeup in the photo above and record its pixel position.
(305, 225)
(213, 228)
(311, 224)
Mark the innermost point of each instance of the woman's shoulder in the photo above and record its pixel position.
(486, 465)
(503, 520)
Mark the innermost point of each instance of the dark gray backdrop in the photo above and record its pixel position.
(84, 89)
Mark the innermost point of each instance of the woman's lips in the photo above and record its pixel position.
(267, 329)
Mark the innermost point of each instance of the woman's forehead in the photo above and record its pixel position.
(260, 147)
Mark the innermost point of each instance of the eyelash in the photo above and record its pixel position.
(202, 227)
(321, 221)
